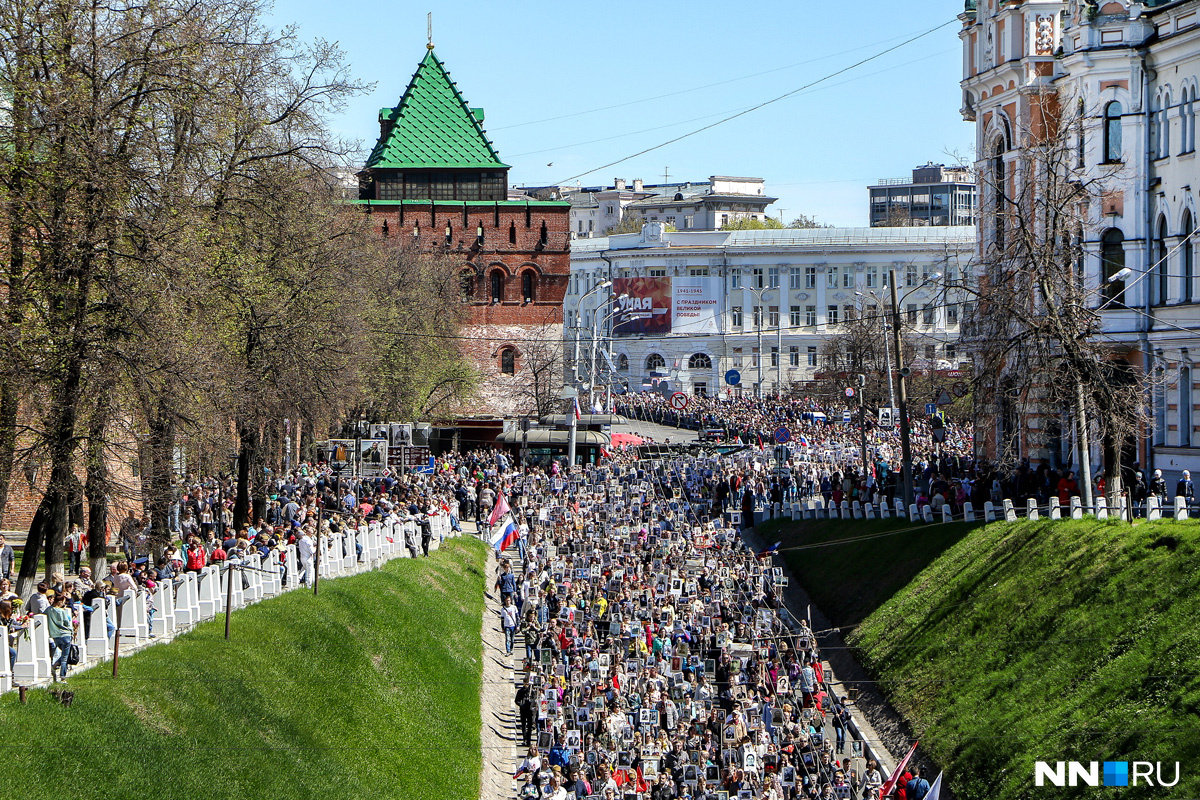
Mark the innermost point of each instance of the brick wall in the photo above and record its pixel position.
(509, 241)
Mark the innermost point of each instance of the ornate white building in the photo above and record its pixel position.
(1125, 73)
(702, 303)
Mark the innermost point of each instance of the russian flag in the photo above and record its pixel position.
(506, 536)
(576, 408)
(770, 551)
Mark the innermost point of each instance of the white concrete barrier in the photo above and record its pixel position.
(1031, 509)
(1153, 509)
(1181, 509)
(1101, 507)
(98, 642)
(1055, 511)
(5, 666)
(989, 511)
(33, 652)
(163, 623)
(968, 511)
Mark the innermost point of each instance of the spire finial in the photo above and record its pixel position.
(429, 30)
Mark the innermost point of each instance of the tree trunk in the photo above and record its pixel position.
(96, 489)
(156, 475)
(9, 406)
(247, 452)
(31, 557)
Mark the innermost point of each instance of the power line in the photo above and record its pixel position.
(695, 88)
(764, 104)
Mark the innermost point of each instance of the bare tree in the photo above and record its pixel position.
(1035, 331)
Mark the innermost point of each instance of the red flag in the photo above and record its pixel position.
(499, 510)
(890, 783)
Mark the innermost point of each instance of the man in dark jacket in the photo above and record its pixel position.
(1186, 490)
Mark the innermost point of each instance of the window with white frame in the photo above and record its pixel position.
(952, 313)
(795, 318)
(773, 316)
(795, 276)
(810, 316)
(812, 356)
(872, 277)
(910, 275)
(737, 356)
(735, 316)
(831, 278)
(774, 356)
(758, 317)
(810, 277)
(735, 278)
(927, 314)
(848, 278)
(793, 356)
(831, 315)
(756, 278)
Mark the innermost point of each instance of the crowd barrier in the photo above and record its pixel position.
(145, 618)
(815, 508)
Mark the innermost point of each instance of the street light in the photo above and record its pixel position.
(578, 309)
(887, 352)
(596, 322)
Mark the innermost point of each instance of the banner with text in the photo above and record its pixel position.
(666, 305)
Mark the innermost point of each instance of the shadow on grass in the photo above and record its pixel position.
(851, 567)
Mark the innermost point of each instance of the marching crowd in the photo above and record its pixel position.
(656, 658)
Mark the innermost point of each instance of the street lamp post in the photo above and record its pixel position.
(887, 351)
(578, 310)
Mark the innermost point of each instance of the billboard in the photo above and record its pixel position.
(666, 305)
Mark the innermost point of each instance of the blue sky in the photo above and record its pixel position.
(541, 70)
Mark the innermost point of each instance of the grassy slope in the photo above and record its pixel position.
(1040, 641)
(849, 581)
(370, 690)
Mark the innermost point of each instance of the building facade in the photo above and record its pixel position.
(690, 306)
(936, 195)
(691, 205)
(1119, 78)
(434, 181)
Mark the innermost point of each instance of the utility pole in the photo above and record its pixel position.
(862, 420)
(317, 556)
(905, 442)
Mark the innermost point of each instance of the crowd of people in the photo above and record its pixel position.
(657, 660)
(203, 534)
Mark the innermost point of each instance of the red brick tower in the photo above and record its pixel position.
(435, 179)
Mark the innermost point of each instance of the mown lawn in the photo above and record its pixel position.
(369, 690)
(1065, 641)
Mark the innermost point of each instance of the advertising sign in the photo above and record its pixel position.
(643, 305)
(666, 305)
(695, 305)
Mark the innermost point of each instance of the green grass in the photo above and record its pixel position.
(369, 690)
(1046, 641)
(849, 568)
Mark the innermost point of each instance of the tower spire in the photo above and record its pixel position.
(429, 30)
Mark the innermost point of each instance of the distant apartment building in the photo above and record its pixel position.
(936, 195)
(691, 205)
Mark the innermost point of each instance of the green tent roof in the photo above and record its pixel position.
(432, 127)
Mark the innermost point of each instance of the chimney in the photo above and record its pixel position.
(637, 184)
(619, 183)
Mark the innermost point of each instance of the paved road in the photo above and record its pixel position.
(659, 433)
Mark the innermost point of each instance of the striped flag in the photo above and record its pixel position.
(575, 408)
(506, 536)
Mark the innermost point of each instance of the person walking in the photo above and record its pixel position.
(526, 704)
(7, 556)
(508, 621)
(60, 625)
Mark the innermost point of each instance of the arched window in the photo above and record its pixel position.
(1158, 281)
(1187, 255)
(528, 285)
(1164, 125)
(1185, 407)
(623, 362)
(466, 281)
(1112, 132)
(699, 361)
(999, 188)
(497, 293)
(508, 361)
(1112, 261)
(655, 363)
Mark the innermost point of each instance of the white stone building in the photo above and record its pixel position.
(1126, 74)
(788, 289)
